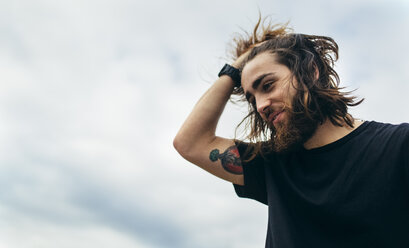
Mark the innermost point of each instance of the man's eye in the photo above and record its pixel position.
(267, 85)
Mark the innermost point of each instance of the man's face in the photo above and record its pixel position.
(268, 85)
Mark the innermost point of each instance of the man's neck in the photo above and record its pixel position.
(328, 133)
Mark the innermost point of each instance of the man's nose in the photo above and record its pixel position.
(263, 107)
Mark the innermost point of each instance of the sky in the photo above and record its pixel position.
(92, 94)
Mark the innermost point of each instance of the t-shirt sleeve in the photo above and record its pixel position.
(254, 177)
(405, 149)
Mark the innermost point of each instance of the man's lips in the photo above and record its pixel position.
(272, 117)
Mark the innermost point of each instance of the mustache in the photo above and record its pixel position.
(293, 133)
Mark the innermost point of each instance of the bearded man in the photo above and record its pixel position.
(329, 180)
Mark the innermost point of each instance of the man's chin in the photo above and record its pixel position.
(286, 141)
(288, 137)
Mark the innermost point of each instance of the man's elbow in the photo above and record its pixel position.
(190, 148)
(181, 146)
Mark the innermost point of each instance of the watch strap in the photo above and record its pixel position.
(233, 73)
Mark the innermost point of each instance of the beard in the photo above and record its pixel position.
(290, 134)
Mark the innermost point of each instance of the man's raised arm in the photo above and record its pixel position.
(197, 142)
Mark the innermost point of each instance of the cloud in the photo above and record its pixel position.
(93, 92)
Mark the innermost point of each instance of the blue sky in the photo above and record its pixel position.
(93, 92)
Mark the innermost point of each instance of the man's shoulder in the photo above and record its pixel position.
(385, 130)
(388, 126)
(377, 125)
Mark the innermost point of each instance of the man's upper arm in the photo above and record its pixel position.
(219, 157)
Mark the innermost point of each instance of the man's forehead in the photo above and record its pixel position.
(256, 70)
(258, 65)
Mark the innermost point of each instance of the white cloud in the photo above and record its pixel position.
(92, 93)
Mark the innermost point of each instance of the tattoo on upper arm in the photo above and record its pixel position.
(230, 159)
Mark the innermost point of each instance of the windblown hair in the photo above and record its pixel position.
(310, 59)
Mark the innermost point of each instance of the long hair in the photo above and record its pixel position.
(310, 59)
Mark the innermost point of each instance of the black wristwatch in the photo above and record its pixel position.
(233, 73)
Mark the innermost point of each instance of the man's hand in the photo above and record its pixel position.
(239, 61)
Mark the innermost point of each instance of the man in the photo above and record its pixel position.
(329, 180)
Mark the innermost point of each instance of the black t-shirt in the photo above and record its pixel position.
(353, 192)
